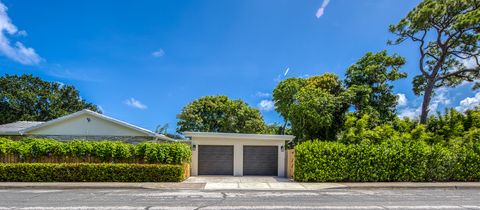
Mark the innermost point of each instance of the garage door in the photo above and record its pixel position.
(215, 160)
(260, 160)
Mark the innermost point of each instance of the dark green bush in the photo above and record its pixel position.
(387, 161)
(32, 150)
(90, 172)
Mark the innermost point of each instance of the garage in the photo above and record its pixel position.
(215, 160)
(238, 154)
(260, 160)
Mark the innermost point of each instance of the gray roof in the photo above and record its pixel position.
(14, 128)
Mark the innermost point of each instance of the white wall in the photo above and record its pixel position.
(238, 144)
(80, 126)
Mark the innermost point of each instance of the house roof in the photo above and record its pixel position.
(239, 136)
(38, 125)
(15, 127)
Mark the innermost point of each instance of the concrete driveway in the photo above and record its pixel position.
(256, 183)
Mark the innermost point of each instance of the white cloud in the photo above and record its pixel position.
(470, 63)
(101, 109)
(79, 75)
(135, 103)
(266, 105)
(61, 84)
(159, 53)
(321, 10)
(286, 72)
(262, 94)
(469, 103)
(409, 112)
(402, 99)
(439, 99)
(280, 77)
(17, 51)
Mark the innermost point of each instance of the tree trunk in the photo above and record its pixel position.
(427, 97)
(282, 132)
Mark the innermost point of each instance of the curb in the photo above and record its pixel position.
(201, 186)
(117, 185)
(411, 185)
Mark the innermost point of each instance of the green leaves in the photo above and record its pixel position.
(446, 149)
(33, 150)
(388, 161)
(313, 106)
(89, 172)
(29, 98)
(220, 114)
(369, 81)
(447, 34)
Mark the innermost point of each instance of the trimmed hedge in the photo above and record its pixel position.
(32, 150)
(89, 172)
(388, 161)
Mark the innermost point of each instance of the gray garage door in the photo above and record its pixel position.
(260, 160)
(215, 160)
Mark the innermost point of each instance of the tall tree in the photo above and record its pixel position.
(447, 34)
(220, 114)
(369, 81)
(27, 97)
(315, 106)
(284, 97)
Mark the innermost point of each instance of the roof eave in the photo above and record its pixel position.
(101, 116)
(240, 136)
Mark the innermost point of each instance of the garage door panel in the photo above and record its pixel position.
(215, 160)
(260, 160)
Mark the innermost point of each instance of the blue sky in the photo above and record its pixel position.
(143, 61)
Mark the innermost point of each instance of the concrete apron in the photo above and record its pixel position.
(257, 183)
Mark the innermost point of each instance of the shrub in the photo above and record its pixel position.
(392, 160)
(33, 150)
(89, 172)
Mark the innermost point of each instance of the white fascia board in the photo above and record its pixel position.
(265, 137)
(10, 133)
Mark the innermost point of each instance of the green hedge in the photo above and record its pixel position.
(31, 150)
(89, 172)
(388, 161)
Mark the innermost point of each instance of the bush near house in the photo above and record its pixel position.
(48, 150)
(47, 160)
(391, 160)
(90, 172)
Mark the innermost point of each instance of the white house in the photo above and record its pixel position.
(84, 124)
(238, 154)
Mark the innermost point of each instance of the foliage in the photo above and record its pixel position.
(392, 160)
(447, 32)
(446, 149)
(89, 172)
(369, 81)
(314, 106)
(451, 128)
(364, 130)
(29, 98)
(220, 114)
(32, 150)
(284, 96)
(163, 129)
(277, 129)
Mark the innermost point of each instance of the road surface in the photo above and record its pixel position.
(185, 199)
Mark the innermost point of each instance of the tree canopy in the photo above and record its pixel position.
(314, 106)
(447, 34)
(369, 81)
(220, 114)
(30, 98)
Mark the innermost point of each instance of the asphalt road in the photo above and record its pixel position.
(181, 199)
